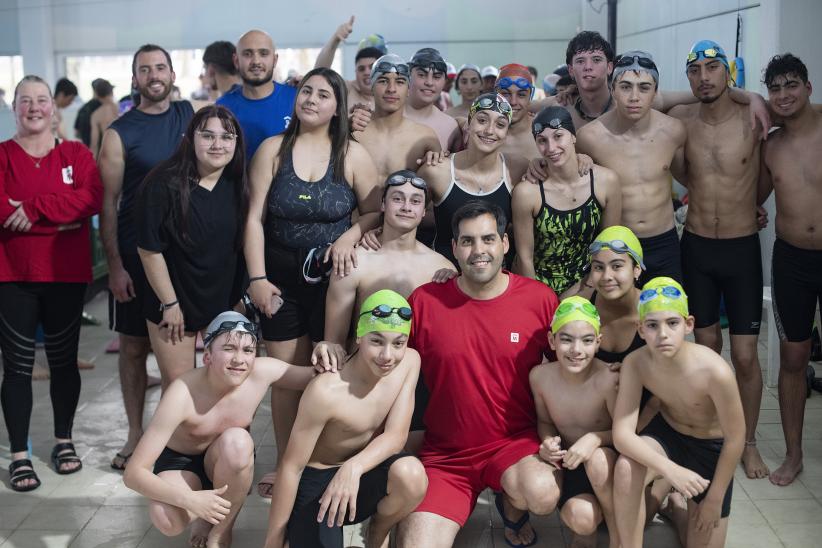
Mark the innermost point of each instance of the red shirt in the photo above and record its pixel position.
(476, 356)
(65, 189)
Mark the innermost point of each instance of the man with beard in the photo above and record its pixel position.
(262, 106)
(720, 244)
(790, 167)
(132, 146)
(428, 70)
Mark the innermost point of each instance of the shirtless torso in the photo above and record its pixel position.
(356, 97)
(396, 144)
(520, 140)
(443, 125)
(793, 169)
(722, 158)
(643, 160)
(100, 120)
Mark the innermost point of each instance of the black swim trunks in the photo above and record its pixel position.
(170, 459)
(796, 288)
(696, 454)
(729, 268)
(303, 528)
(661, 256)
(575, 482)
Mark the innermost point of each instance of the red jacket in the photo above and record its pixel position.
(65, 189)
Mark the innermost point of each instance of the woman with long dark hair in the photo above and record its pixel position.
(191, 214)
(305, 184)
(48, 191)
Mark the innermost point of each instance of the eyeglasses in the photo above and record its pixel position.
(229, 326)
(388, 66)
(666, 291)
(210, 137)
(489, 102)
(399, 180)
(384, 311)
(553, 123)
(522, 83)
(644, 62)
(587, 308)
(710, 53)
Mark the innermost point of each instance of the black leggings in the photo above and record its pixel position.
(58, 307)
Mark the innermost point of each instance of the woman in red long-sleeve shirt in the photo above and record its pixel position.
(48, 191)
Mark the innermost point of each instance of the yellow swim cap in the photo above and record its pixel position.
(384, 310)
(619, 239)
(572, 309)
(662, 294)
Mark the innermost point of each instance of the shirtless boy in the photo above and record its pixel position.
(575, 398)
(720, 244)
(698, 436)
(643, 146)
(428, 70)
(790, 166)
(198, 440)
(393, 140)
(401, 263)
(516, 84)
(343, 462)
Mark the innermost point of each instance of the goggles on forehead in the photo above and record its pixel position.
(522, 83)
(387, 66)
(587, 308)
(668, 291)
(384, 311)
(644, 62)
(228, 326)
(553, 123)
(399, 180)
(497, 104)
(709, 53)
(617, 246)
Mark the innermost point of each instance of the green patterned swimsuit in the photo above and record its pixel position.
(561, 240)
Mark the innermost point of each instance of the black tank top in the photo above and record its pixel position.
(303, 215)
(455, 197)
(148, 139)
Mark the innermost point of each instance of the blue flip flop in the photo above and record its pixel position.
(515, 526)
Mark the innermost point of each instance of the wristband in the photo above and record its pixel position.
(257, 278)
(164, 306)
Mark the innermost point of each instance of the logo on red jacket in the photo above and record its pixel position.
(514, 337)
(68, 173)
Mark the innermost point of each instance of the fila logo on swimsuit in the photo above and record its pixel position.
(304, 196)
(514, 337)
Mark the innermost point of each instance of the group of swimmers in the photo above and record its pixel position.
(430, 380)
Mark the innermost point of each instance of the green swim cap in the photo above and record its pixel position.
(384, 310)
(619, 239)
(662, 294)
(572, 309)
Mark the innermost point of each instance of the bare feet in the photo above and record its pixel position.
(266, 484)
(219, 541)
(785, 474)
(152, 381)
(199, 533)
(755, 467)
(84, 364)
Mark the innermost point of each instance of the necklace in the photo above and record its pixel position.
(587, 117)
(34, 159)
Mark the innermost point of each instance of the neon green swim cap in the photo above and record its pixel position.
(662, 294)
(384, 310)
(619, 239)
(572, 309)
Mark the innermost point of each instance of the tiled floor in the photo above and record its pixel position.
(94, 509)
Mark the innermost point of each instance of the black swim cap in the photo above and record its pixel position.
(554, 118)
(428, 58)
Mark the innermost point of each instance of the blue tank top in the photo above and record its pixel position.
(148, 139)
(304, 215)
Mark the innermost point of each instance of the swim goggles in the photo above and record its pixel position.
(708, 53)
(384, 311)
(617, 246)
(553, 123)
(399, 180)
(585, 307)
(668, 291)
(387, 66)
(644, 62)
(522, 83)
(490, 102)
(228, 326)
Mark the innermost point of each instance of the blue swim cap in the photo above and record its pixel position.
(707, 49)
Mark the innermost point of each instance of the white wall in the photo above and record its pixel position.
(799, 34)
(9, 36)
